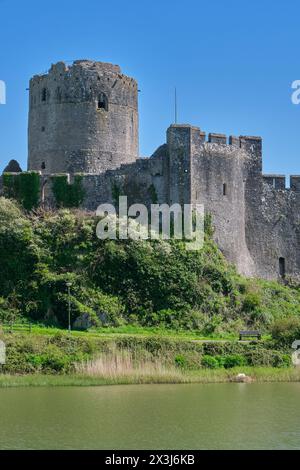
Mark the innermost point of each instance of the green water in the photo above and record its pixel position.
(214, 416)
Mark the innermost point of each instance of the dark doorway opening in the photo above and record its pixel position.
(282, 267)
(102, 102)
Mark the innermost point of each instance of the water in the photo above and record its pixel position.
(213, 416)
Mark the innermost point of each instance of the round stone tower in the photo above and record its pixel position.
(82, 118)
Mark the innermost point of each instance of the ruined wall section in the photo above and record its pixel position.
(272, 216)
(274, 228)
(142, 182)
(82, 118)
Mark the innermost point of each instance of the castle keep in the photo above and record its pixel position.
(83, 123)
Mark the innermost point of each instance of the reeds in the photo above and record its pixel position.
(121, 365)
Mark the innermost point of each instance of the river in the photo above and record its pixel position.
(212, 416)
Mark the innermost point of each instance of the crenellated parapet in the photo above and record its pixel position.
(279, 182)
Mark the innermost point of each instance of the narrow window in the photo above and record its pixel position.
(282, 267)
(44, 94)
(43, 166)
(43, 128)
(58, 94)
(102, 102)
(224, 189)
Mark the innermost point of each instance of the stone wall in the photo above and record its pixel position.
(143, 181)
(255, 217)
(273, 231)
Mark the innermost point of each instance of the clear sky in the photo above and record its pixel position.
(232, 62)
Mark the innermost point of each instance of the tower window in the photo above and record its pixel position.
(44, 94)
(282, 267)
(224, 189)
(102, 102)
(43, 166)
(43, 128)
(58, 94)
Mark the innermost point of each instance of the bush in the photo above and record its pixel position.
(227, 361)
(285, 331)
(8, 311)
(54, 360)
(180, 361)
(234, 360)
(210, 362)
(268, 358)
(282, 360)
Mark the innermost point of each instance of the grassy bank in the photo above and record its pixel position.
(130, 330)
(258, 374)
(61, 353)
(94, 359)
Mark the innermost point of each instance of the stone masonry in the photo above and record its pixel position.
(83, 119)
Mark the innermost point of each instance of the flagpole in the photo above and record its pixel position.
(175, 105)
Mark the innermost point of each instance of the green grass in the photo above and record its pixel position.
(139, 331)
(259, 375)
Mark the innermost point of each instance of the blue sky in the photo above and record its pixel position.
(232, 62)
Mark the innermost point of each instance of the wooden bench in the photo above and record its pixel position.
(250, 334)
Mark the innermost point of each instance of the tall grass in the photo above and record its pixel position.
(119, 365)
(88, 375)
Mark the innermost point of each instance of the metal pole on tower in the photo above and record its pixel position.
(175, 105)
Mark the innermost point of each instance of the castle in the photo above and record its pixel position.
(83, 120)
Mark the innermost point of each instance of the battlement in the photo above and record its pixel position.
(62, 70)
(217, 138)
(295, 183)
(276, 181)
(279, 182)
(246, 142)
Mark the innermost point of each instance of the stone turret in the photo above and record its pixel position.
(82, 118)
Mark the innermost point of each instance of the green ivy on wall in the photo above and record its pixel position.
(24, 187)
(153, 194)
(67, 195)
(116, 193)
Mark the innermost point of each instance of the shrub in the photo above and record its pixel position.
(281, 360)
(180, 361)
(268, 357)
(210, 362)
(286, 330)
(234, 360)
(8, 312)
